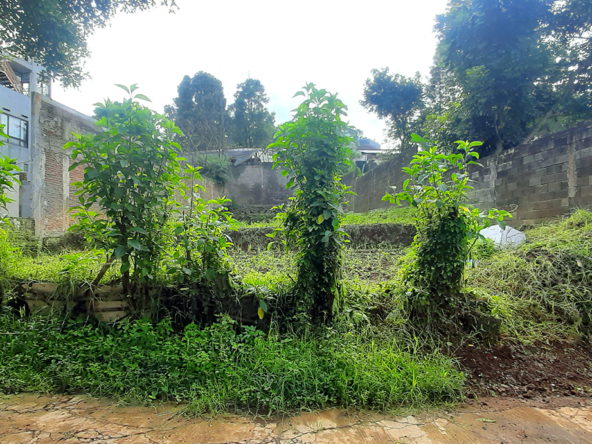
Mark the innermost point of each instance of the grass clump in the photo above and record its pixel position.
(543, 289)
(402, 216)
(216, 368)
(393, 215)
(71, 268)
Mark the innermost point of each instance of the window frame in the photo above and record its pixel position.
(5, 119)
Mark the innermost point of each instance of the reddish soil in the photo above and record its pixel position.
(528, 372)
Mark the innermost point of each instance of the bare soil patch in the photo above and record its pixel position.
(541, 371)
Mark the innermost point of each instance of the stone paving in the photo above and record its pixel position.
(66, 419)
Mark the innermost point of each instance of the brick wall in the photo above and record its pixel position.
(537, 181)
(53, 194)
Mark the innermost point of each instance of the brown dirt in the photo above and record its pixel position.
(537, 372)
(64, 419)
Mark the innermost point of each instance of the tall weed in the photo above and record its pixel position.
(217, 368)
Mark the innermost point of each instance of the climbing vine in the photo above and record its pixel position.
(447, 226)
(314, 152)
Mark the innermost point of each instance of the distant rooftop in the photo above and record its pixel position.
(367, 145)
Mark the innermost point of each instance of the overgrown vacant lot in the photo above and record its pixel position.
(369, 358)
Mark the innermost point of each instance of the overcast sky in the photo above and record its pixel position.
(334, 44)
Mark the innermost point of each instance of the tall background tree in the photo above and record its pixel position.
(253, 126)
(200, 112)
(396, 98)
(505, 72)
(55, 32)
(496, 53)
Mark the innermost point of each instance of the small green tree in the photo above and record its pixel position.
(131, 174)
(447, 227)
(8, 169)
(200, 238)
(314, 151)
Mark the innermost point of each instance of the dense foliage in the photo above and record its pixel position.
(54, 32)
(200, 112)
(216, 368)
(314, 151)
(504, 73)
(131, 173)
(253, 126)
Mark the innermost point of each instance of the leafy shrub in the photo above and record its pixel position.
(199, 239)
(314, 151)
(445, 223)
(131, 172)
(216, 368)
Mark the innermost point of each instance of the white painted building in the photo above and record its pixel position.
(19, 79)
(37, 129)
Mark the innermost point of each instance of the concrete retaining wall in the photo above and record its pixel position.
(536, 182)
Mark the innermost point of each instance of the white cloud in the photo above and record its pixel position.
(283, 44)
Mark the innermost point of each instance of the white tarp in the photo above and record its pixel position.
(509, 237)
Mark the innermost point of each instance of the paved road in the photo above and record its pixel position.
(66, 419)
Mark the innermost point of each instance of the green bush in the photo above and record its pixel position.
(216, 368)
(131, 173)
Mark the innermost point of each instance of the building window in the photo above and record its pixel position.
(17, 130)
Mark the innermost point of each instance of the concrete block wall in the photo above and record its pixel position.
(371, 187)
(538, 181)
(257, 185)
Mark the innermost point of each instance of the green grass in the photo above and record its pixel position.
(391, 215)
(217, 369)
(543, 289)
(269, 267)
(69, 267)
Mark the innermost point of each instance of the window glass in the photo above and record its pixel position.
(17, 130)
